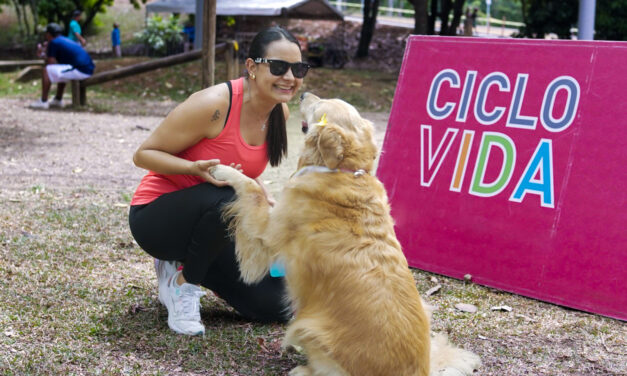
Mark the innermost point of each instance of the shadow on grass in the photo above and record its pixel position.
(231, 343)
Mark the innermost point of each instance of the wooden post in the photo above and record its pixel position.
(76, 96)
(82, 93)
(232, 63)
(208, 43)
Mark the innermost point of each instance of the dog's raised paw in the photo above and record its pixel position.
(224, 173)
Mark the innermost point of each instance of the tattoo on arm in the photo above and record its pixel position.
(216, 115)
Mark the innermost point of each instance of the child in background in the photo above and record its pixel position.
(115, 41)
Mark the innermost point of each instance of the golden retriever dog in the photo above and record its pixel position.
(357, 309)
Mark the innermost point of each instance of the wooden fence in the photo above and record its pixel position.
(79, 88)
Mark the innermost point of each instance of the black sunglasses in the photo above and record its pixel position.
(280, 67)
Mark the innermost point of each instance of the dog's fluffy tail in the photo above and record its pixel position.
(448, 360)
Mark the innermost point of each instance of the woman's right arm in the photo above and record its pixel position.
(201, 115)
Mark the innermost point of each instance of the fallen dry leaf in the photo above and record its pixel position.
(464, 307)
(433, 290)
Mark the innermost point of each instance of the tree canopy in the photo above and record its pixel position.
(542, 17)
(31, 13)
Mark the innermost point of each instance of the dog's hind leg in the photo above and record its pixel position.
(319, 365)
(249, 215)
(300, 371)
(306, 333)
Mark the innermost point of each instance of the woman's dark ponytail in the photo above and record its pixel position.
(277, 136)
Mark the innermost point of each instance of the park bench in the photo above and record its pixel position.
(8, 65)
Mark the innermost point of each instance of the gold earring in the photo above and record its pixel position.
(252, 75)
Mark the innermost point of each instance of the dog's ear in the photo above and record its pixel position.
(330, 145)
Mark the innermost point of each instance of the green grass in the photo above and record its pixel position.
(77, 299)
(10, 88)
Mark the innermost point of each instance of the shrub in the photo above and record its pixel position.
(163, 36)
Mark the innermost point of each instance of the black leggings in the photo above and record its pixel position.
(186, 226)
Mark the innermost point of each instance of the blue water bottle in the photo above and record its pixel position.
(277, 269)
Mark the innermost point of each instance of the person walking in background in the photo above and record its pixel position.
(65, 61)
(468, 23)
(75, 32)
(115, 41)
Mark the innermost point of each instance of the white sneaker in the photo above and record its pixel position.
(164, 270)
(39, 104)
(183, 303)
(54, 102)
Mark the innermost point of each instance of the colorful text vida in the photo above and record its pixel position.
(537, 178)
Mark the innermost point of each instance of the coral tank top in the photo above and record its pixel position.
(229, 147)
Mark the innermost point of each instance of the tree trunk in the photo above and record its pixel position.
(444, 12)
(432, 17)
(421, 26)
(18, 13)
(371, 7)
(91, 13)
(458, 9)
(25, 17)
(34, 11)
(523, 8)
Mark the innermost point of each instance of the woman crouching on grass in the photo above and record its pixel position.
(175, 214)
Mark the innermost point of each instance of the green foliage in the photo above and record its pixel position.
(559, 16)
(550, 16)
(161, 33)
(60, 10)
(510, 9)
(610, 20)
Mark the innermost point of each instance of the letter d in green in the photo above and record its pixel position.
(490, 140)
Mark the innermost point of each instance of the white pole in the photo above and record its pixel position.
(198, 24)
(586, 19)
(488, 3)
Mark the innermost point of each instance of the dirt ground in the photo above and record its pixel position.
(65, 149)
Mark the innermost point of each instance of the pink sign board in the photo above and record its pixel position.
(507, 160)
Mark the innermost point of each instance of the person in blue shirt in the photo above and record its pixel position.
(65, 61)
(115, 40)
(75, 29)
(190, 34)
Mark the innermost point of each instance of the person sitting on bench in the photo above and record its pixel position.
(65, 61)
